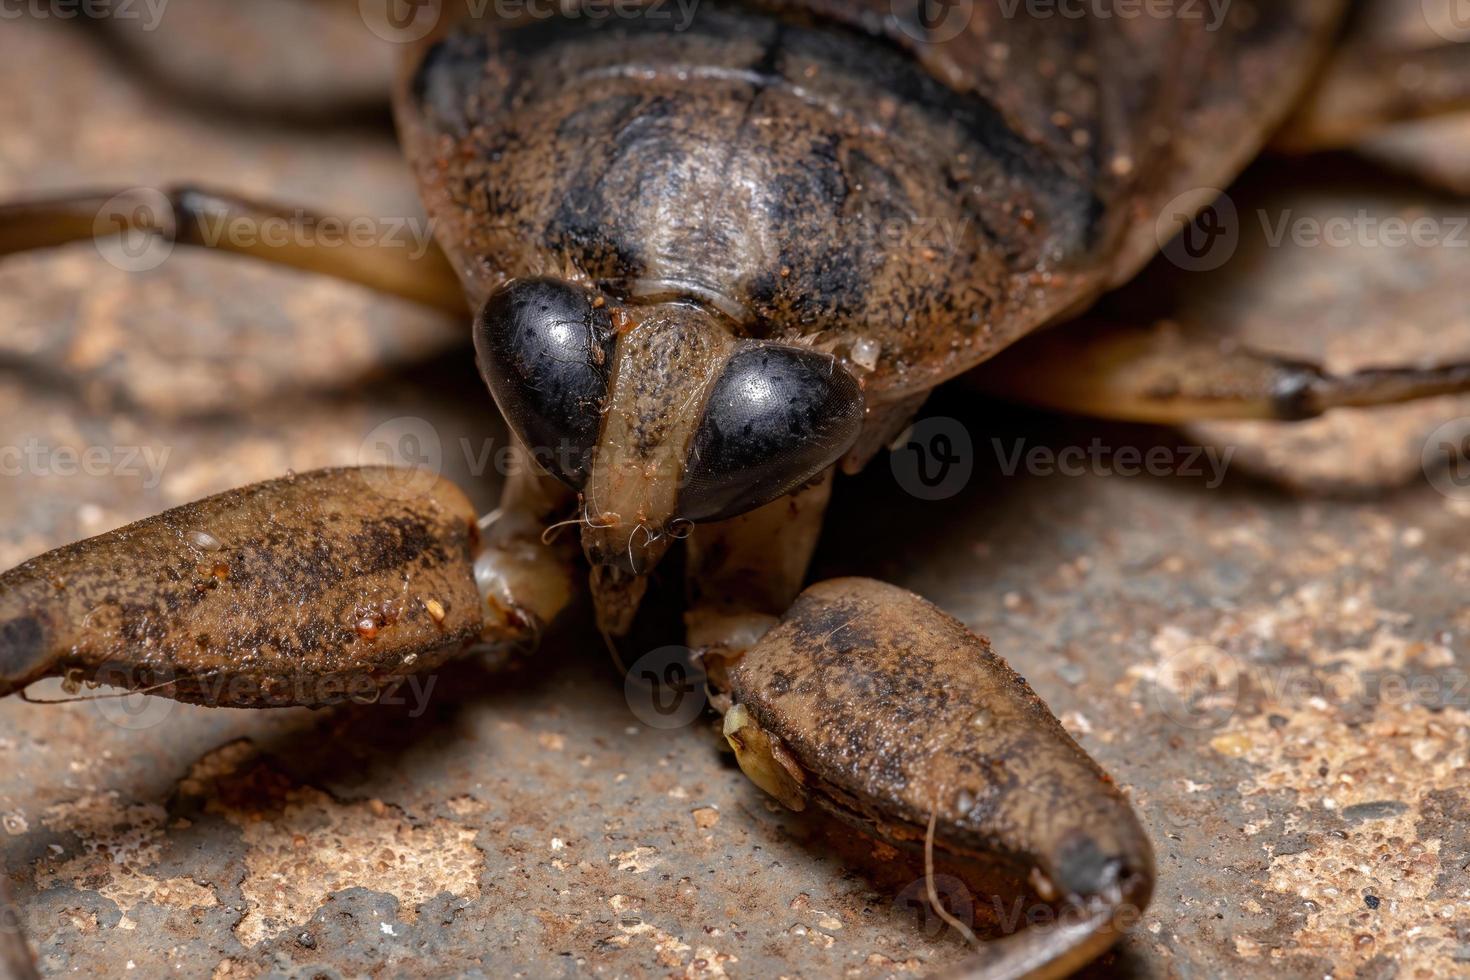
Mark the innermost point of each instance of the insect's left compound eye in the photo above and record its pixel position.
(545, 348)
(776, 417)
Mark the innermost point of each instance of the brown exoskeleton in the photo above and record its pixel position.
(698, 292)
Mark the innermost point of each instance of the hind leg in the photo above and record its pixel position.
(1170, 373)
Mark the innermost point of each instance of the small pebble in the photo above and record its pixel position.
(1234, 744)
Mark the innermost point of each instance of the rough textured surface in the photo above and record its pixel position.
(1307, 811)
(1100, 590)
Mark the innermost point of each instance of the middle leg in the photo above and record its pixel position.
(205, 219)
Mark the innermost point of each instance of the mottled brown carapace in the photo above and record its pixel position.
(824, 172)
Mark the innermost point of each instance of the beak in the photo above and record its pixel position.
(616, 595)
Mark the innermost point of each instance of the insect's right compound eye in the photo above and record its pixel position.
(776, 417)
(545, 348)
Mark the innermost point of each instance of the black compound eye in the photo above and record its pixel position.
(545, 348)
(776, 417)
